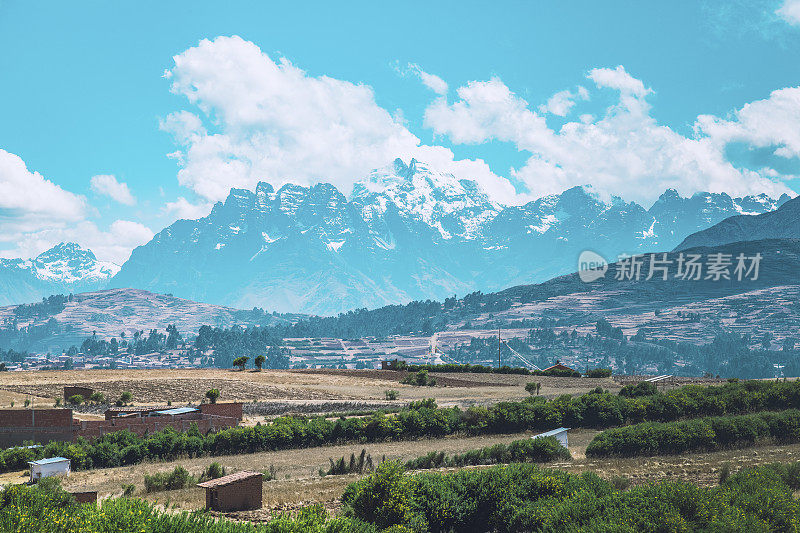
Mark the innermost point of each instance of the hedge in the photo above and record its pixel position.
(711, 433)
(539, 450)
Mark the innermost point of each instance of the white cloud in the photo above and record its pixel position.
(625, 152)
(266, 120)
(28, 199)
(790, 12)
(618, 79)
(431, 81)
(774, 121)
(108, 185)
(563, 101)
(184, 209)
(36, 214)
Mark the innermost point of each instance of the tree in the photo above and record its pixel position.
(97, 397)
(212, 395)
(75, 399)
(241, 361)
(259, 361)
(125, 397)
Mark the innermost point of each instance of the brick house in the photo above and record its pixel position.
(235, 492)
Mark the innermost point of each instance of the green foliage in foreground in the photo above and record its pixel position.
(711, 433)
(539, 450)
(527, 498)
(597, 409)
(520, 497)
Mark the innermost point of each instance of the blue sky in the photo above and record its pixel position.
(691, 95)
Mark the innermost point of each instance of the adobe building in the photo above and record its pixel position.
(227, 409)
(236, 492)
(37, 425)
(70, 391)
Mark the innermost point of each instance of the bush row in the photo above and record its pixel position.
(598, 409)
(523, 497)
(539, 450)
(712, 433)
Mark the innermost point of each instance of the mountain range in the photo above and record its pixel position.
(406, 232)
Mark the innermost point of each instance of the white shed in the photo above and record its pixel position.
(560, 434)
(55, 466)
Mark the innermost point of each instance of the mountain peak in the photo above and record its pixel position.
(65, 250)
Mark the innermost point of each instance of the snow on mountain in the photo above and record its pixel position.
(407, 231)
(64, 268)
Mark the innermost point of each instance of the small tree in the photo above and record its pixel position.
(390, 394)
(213, 395)
(532, 388)
(240, 362)
(259, 361)
(126, 397)
(75, 399)
(97, 397)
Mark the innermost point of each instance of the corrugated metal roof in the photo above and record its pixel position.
(176, 411)
(48, 461)
(226, 480)
(551, 433)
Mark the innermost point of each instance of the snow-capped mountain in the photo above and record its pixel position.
(63, 268)
(406, 232)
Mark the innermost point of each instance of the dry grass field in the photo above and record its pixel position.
(190, 385)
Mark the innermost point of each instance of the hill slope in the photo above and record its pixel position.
(784, 223)
(109, 313)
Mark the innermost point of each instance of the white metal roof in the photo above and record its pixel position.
(552, 432)
(51, 460)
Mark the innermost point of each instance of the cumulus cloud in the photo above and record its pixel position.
(624, 152)
(36, 214)
(790, 12)
(772, 122)
(28, 199)
(107, 185)
(261, 119)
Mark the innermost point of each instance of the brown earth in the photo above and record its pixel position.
(190, 385)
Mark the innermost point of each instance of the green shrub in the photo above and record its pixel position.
(357, 465)
(710, 433)
(213, 471)
(383, 498)
(420, 378)
(519, 451)
(179, 478)
(75, 399)
(97, 397)
(212, 395)
(643, 388)
(599, 373)
(390, 394)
